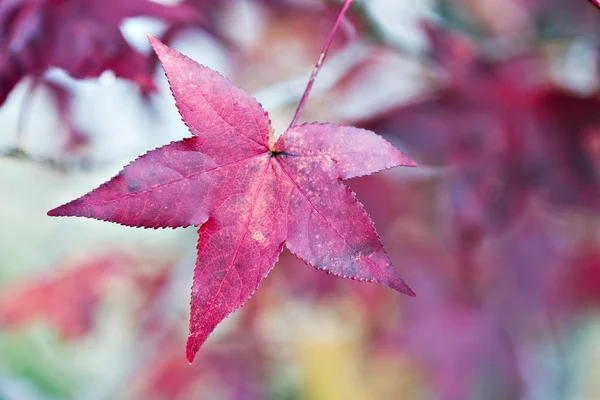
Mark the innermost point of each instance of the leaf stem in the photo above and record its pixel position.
(319, 64)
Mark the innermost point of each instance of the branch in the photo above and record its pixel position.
(319, 64)
(56, 164)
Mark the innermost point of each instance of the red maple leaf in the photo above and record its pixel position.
(250, 194)
(81, 36)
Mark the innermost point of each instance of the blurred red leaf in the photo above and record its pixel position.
(249, 193)
(68, 301)
(81, 36)
(580, 283)
(63, 98)
(506, 135)
(237, 369)
(458, 345)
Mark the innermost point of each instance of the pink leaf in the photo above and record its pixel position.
(249, 193)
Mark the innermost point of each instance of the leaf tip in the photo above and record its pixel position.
(401, 287)
(55, 212)
(156, 44)
(405, 161)
(68, 210)
(410, 163)
(191, 349)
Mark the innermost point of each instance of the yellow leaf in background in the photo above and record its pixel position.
(333, 361)
(327, 353)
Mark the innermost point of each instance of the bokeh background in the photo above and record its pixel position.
(497, 230)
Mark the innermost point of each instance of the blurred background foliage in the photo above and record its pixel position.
(497, 230)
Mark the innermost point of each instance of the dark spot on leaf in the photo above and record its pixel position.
(133, 186)
(278, 153)
(220, 275)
